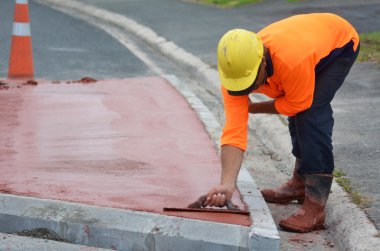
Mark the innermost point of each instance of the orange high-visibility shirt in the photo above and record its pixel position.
(298, 46)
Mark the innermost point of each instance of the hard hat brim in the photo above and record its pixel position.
(239, 84)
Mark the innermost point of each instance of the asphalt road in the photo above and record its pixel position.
(68, 48)
(197, 29)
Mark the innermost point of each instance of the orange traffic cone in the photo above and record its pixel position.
(21, 56)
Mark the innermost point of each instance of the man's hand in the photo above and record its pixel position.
(232, 158)
(218, 195)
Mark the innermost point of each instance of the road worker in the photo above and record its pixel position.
(299, 62)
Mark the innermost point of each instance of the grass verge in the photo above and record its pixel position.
(228, 3)
(370, 47)
(235, 3)
(345, 183)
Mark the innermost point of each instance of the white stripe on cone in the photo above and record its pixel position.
(21, 1)
(21, 29)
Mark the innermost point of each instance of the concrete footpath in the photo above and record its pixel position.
(351, 228)
(96, 163)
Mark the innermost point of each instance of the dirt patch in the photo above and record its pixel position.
(300, 241)
(4, 188)
(41, 233)
(330, 244)
(84, 80)
(31, 82)
(308, 242)
(4, 86)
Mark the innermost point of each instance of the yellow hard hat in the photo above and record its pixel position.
(239, 56)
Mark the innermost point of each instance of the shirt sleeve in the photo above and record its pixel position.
(236, 126)
(298, 86)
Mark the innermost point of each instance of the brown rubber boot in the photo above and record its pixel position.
(294, 189)
(311, 216)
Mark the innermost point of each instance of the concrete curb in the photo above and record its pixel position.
(341, 212)
(118, 229)
(349, 224)
(12, 242)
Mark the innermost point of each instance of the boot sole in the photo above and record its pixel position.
(285, 202)
(302, 230)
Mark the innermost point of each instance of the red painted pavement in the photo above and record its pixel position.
(132, 143)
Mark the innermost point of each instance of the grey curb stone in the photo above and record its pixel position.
(116, 228)
(12, 242)
(350, 227)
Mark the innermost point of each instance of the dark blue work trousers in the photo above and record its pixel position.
(311, 130)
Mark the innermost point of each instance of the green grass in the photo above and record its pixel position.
(228, 3)
(345, 183)
(235, 3)
(370, 47)
(340, 178)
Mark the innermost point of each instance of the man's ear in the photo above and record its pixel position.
(264, 61)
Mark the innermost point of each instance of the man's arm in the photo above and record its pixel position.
(263, 107)
(232, 158)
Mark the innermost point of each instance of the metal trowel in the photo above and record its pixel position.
(197, 206)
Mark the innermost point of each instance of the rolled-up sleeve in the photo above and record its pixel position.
(298, 86)
(236, 126)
